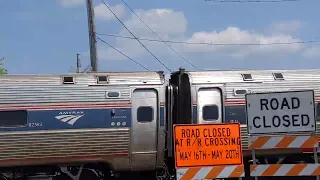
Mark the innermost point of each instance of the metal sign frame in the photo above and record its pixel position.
(283, 92)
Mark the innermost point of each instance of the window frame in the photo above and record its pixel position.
(152, 108)
(26, 119)
(208, 105)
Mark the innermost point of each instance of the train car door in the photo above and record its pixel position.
(209, 105)
(144, 128)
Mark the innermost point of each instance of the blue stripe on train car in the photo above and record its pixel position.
(232, 114)
(78, 119)
(235, 113)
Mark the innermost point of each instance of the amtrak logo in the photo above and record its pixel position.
(70, 117)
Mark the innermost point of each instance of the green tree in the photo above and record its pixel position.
(2, 69)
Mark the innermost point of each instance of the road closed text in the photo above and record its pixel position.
(208, 137)
(211, 144)
(280, 112)
(285, 120)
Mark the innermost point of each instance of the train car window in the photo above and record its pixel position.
(145, 114)
(102, 79)
(278, 76)
(240, 92)
(68, 80)
(210, 113)
(318, 111)
(113, 94)
(247, 77)
(13, 118)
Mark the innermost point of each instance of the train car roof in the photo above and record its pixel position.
(240, 75)
(91, 78)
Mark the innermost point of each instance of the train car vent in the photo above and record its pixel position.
(247, 77)
(240, 92)
(278, 76)
(68, 80)
(102, 79)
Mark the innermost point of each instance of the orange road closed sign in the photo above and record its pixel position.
(207, 145)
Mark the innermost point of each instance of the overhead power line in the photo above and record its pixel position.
(125, 55)
(251, 1)
(214, 44)
(135, 36)
(157, 35)
(122, 53)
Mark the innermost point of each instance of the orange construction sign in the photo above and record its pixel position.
(207, 145)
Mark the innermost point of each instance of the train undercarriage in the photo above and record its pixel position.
(92, 171)
(57, 172)
(101, 171)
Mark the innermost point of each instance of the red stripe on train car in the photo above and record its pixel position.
(242, 101)
(124, 155)
(66, 104)
(73, 106)
(69, 106)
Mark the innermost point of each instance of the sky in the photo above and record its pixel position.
(43, 37)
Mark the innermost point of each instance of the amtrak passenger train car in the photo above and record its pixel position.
(95, 125)
(219, 96)
(112, 118)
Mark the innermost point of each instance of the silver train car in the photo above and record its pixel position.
(95, 125)
(218, 96)
(104, 120)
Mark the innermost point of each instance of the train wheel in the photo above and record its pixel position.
(88, 174)
(62, 177)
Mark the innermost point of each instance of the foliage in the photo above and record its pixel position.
(2, 69)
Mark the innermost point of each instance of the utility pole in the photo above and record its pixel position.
(78, 63)
(92, 36)
(78, 69)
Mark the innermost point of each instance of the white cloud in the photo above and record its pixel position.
(103, 13)
(234, 35)
(286, 26)
(312, 52)
(165, 22)
(168, 24)
(70, 3)
(172, 25)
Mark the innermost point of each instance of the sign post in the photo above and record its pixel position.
(207, 150)
(282, 112)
